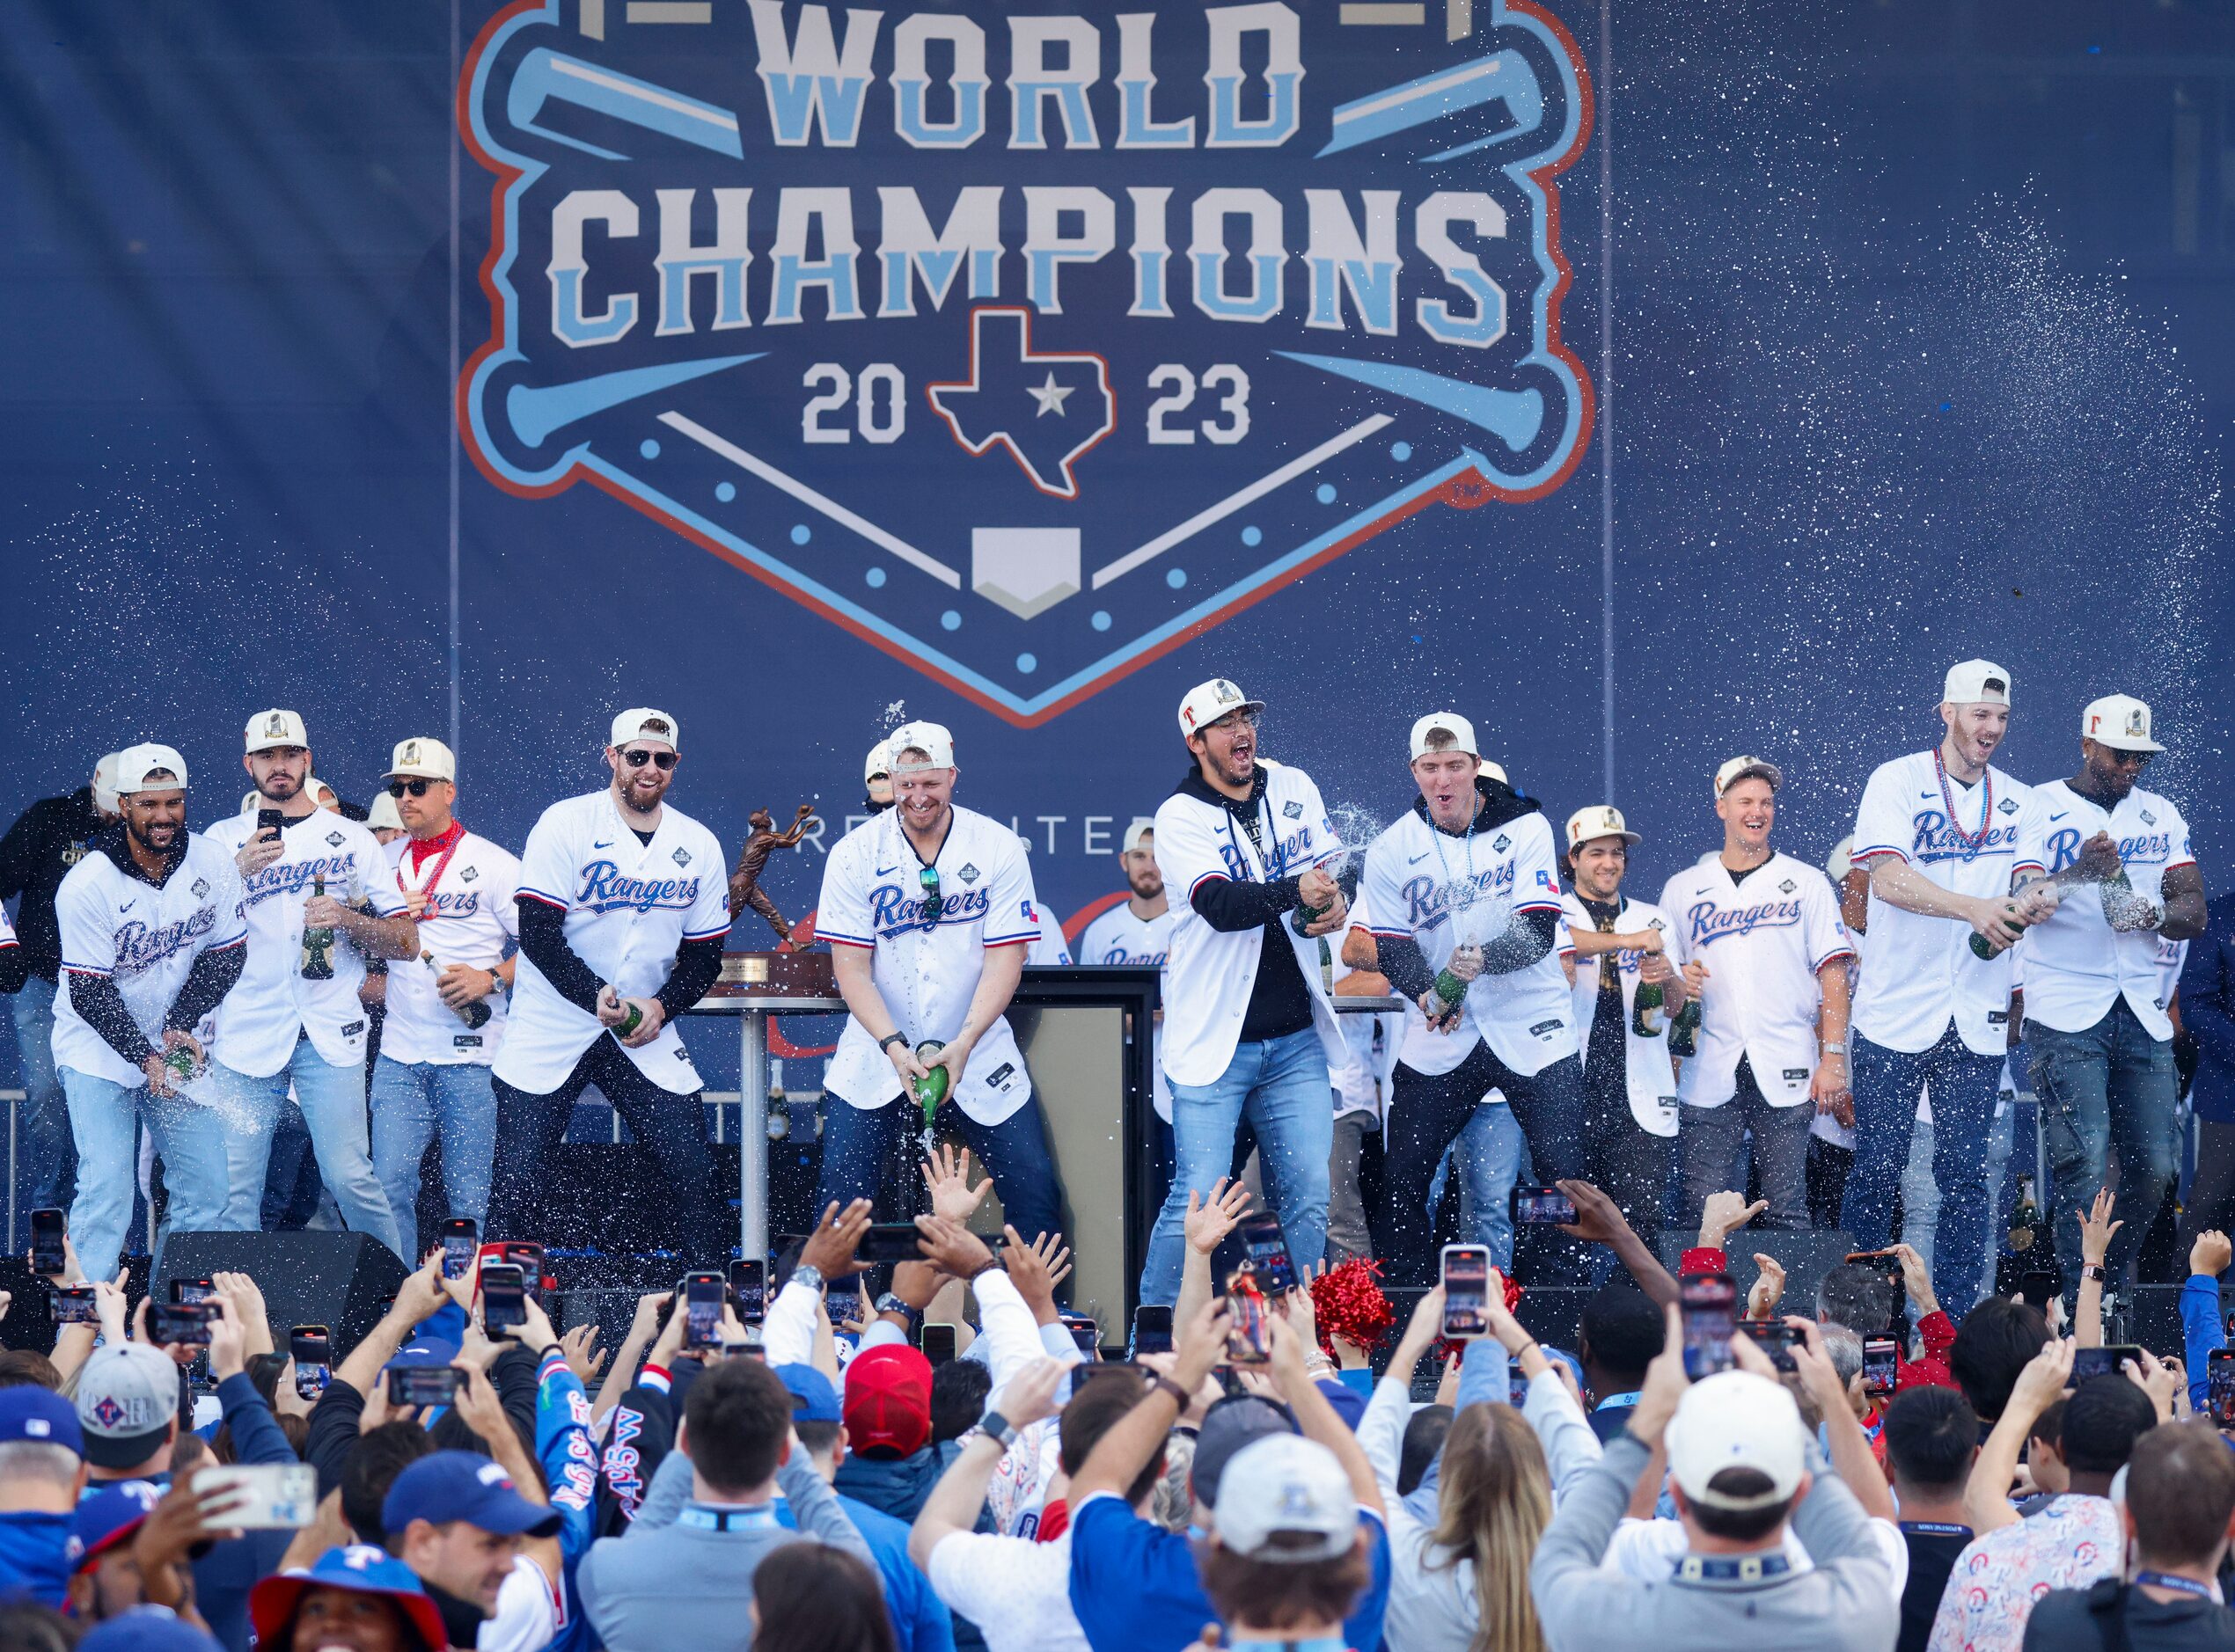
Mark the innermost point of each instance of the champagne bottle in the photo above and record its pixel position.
(1982, 948)
(1645, 1018)
(179, 1059)
(1450, 990)
(476, 1014)
(931, 1089)
(2025, 1217)
(632, 1018)
(1683, 1033)
(317, 942)
(1302, 917)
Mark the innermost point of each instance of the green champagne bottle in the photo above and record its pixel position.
(1683, 1033)
(476, 1015)
(317, 942)
(1982, 948)
(1646, 1018)
(931, 1089)
(1302, 917)
(179, 1059)
(630, 1021)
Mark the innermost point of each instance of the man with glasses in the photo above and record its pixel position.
(930, 912)
(1249, 1032)
(2115, 859)
(446, 1010)
(624, 903)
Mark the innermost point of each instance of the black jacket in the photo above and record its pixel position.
(47, 839)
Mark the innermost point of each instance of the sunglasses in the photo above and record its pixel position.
(662, 760)
(928, 880)
(417, 788)
(2129, 759)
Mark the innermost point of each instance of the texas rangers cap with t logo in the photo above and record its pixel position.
(423, 759)
(642, 722)
(1601, 820)
(2120, 722)
(1207, 702)
(276, 728)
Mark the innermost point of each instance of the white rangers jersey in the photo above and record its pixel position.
(2076, 965)
(1119, 937)
(273, 1004)
(1762, 940)
(1921, 971)
(1442, 892)
(472, 914)
(1210, 973)
(1652, 1076)
(118, 925)
(874, 897)
(630, 905)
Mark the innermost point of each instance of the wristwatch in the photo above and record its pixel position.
(997, 1429)
(807, 1273)
(1833, 1050)
(2092, 1270)
(890, 1303)
(890, 1040)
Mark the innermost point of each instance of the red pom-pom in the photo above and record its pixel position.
(1348, 1302)
(1513, 1293)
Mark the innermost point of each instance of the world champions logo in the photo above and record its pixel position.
(1026, 343)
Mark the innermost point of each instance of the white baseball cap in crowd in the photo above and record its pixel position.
(276, 728)
(1138, 835)
(878, 761)
(383, 816)
(1841, 861)
(1601, 820)
(104, 783)
(251, 802)
(642, 722)
(1461, 733)
(1495, 770)
(1207, 702)
(931, 739)
(322, 794)
(1736, 1420)
(420, 757)
(1293, 1487)
(1971, 681)
(2120, 722)
(1748, 768)
(144, 768)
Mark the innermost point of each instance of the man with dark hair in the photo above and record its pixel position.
(370, 1468)
(1997, 1339)
(683, 1576)
(1857, 1295)
(1931, 1438)
(958, 1390)
(2180, 1504)
(1622, 1331)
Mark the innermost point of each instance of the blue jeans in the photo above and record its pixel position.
(2112, 1084)
(1488, 1157)
(410, 1103)
(189, 1139)
(43, 1142)
(861, 1145)
(1280, 1086)
(1962, 1085)
(332, 1100)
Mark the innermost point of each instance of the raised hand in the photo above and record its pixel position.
(1209, 1220)
(946, 1173)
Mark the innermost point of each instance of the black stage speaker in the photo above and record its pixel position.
(339, 1280)
(1807, 1255)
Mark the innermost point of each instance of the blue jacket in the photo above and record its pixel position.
(899, 1486)
(921, 1620)
(35, 1556)
(2201, 1335)
(569, 1460)
(2207, 1011)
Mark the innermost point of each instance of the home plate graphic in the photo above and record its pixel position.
(1026, 346)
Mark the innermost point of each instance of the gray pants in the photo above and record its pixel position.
(1709, 1141)
(1346, 1230)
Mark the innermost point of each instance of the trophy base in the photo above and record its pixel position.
(802, 974)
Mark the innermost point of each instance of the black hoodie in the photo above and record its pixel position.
(1526, 940)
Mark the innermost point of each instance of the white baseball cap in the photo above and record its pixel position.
(426, 759)
(104, 783)
(276, 728)
(642, 722)
(383, 816)
(1972, 681)
(1286, 1484)
(252, 802)
(1744, 768)
(878, 761)
(1137, 835)
(1601, 820)
(1736, 1420)
(1207, 702)
(1451, 723)
(931, 739)
(1496, 772)
(2120, 722)
(136, 763)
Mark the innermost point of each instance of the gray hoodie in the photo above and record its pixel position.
(1845, 1605)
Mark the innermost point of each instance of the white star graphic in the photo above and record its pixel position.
(1049, 395)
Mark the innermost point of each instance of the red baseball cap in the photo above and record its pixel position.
(888, 1401)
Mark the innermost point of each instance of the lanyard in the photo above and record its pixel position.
(1620, 1402)
(441, 865)
(701, 1518)
(2179, 1585)
(1970, 840)
(1459, 902)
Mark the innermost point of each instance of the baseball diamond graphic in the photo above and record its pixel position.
(1022, 345)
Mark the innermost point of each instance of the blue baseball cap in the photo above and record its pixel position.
(427, 1350)
(149, 1629)
(110, 1516)
(360, 1568)
(448, 1486)
(813, 1399)
(40, 1416)
(1350, 1404)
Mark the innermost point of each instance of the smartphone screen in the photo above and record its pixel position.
(2219, 1376)
(1152, 1329)
(936, 1341)
(424, 1385)
(1466, 1290)
(270, 820)
(888, 1242)
(2108, 1361)
(1247, 1340)
(1086, 1335)
(75, 1304)
(528, 1258)
(192, 1290)
(272, 1497)
(1516, 1389)
(1774, 1339)
(460, 1239)
(504, 1307)
(1710, 1304)
(312, 1347)
(1267, 1249)
(1542, 1207)
(186, 1323)
(702, 1295)
(48, 1228)
(747, 1276)
(1881, 1360)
